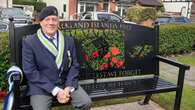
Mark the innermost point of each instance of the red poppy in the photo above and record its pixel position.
(108, 55)
(104, 66)
(95, 54)
(114, 60)
(115, 51)
(86, 57)
(2, 94)
(111, 63)
(120, 63)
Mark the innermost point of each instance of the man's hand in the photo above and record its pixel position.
(63, 96)
(67, 91)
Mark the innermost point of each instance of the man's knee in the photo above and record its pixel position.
(87, 104)
(41, 102)
(80, 99)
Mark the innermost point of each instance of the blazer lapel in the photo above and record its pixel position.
(48, 53)
(65, 59)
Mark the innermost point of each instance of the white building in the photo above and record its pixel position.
(178, 7)
(61, 5)
(5, 3)
(68, 9)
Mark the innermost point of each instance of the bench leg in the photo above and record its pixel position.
(179, 89)
(177, 100)
(146, 99)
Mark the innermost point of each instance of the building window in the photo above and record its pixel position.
(64, 7)
(105, 7)
(81, 7)
(85, 7)
(90, 7)
(183, 11)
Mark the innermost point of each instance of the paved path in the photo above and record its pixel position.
(130, 106)
(170, 72)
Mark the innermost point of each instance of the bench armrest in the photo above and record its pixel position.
(171, 62)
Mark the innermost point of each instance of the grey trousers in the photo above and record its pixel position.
(79, 100)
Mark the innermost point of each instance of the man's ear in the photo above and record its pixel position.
(40, 22)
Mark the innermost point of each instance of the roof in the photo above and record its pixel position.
(125, 1)
(150, 3)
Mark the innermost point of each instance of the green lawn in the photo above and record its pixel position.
(166, 100)
(190, 60)
(1, 106)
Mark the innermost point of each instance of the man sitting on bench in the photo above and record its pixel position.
(50, 66)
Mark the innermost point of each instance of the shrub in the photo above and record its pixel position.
(133, 14)
(176, 38)
(4, 62)
(139, 14)
(148, 13)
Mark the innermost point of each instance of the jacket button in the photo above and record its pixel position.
(61, 82)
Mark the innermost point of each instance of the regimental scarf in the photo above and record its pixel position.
(58, 53)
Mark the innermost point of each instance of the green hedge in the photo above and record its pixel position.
(177, 39)
(4, 62)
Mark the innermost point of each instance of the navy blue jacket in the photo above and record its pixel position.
(41, 70)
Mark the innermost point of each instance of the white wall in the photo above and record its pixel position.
(177, 7)
(10, 2)
(59, 4)
(5, 3)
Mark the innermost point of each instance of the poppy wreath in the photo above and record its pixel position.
(114, 58)
(101, 49)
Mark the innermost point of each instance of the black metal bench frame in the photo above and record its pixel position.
(147, 83)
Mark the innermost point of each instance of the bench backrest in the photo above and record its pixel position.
(104, 49)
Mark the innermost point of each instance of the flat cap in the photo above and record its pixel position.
(47, 11)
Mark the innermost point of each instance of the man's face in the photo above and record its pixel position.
(50, 25)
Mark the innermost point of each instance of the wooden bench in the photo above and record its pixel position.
(117, 60)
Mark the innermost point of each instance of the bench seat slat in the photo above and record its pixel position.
(128, 87)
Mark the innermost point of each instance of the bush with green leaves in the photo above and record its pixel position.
(148, 13)
(177, 38)
(133, 14)
(139, 14)
(4, 60)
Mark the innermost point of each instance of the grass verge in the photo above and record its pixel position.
(190, 60)
(1, 106)
(166, 100)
